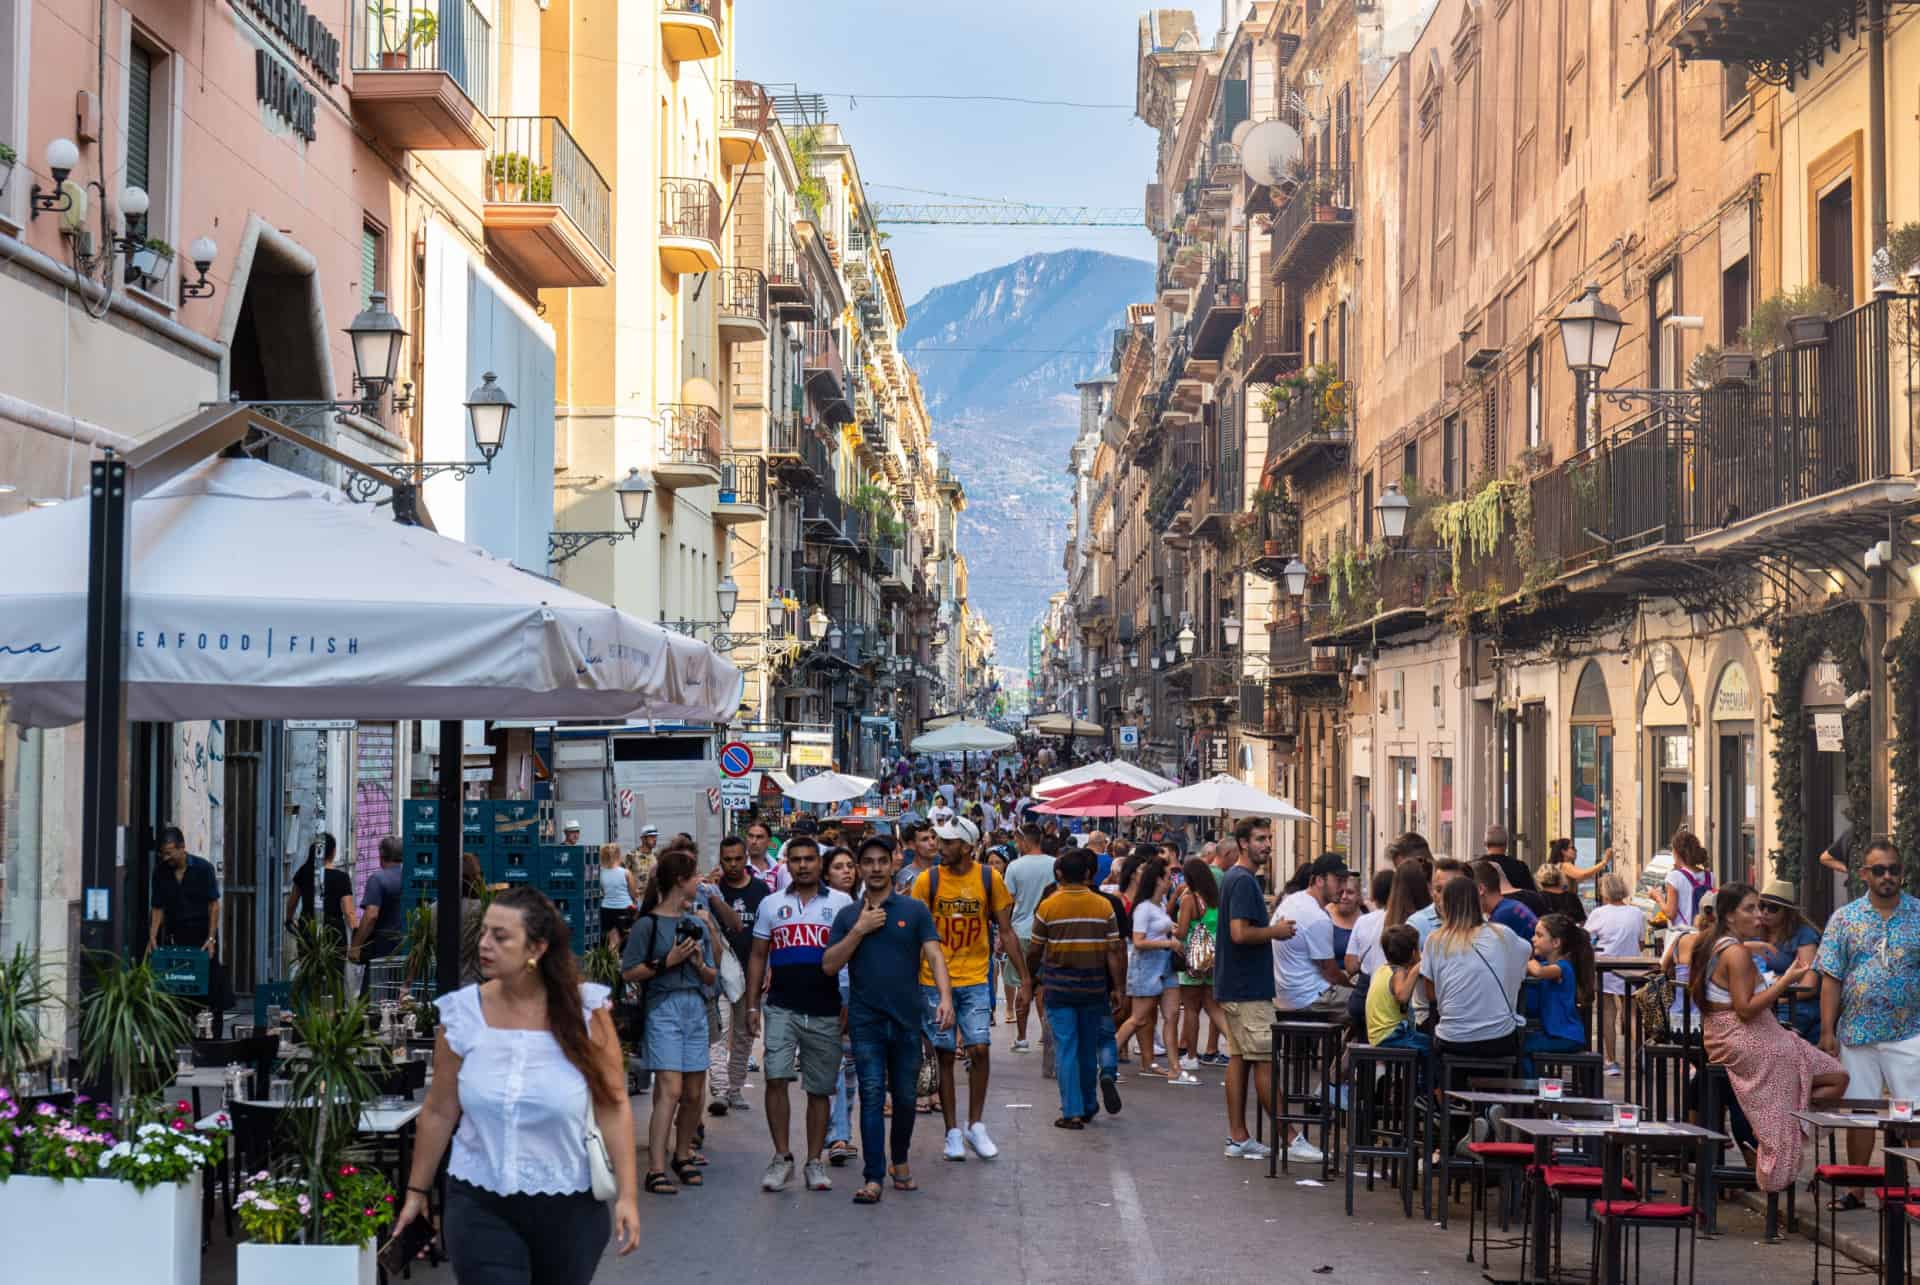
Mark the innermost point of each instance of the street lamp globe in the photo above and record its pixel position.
(1589, 331)
(817, 623)
(1171, 652)
(1185, 640)
(376, 334)
(729, 595)
(1391, 508)
(776, 611)
(1230, 630)
(1295, 574)
(632, 492)
(488, 409)
(834, 638)
(1155, 658)
(134, 202)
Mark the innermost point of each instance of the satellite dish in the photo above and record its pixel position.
(1240, 133)
(1269, 150)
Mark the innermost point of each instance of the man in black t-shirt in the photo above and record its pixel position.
(1515, 870)
(184, 904)
(727, 1056)
(336, 889)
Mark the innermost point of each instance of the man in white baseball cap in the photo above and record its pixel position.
(968, 899)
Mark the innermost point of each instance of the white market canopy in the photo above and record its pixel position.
(1063, 725)
(827, 787)
(254, 592)
(1118, 771)
(1220, 796)
(962, 738)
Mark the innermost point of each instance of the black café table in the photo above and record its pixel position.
(1543, 1133)
(1893, 1213)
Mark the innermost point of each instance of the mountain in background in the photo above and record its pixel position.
(998, 355)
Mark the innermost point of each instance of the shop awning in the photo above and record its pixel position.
(254, 592)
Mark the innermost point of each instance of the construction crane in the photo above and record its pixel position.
(1011, 213)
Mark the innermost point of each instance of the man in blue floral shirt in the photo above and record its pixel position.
(1869, 963)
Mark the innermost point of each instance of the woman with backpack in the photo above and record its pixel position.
(1689, 883)
(1195, 927)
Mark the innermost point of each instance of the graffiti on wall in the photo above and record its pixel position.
(373, 810)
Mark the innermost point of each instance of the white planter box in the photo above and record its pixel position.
(97, 1229)
(304, 1265)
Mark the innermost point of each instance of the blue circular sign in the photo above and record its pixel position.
(736, 758)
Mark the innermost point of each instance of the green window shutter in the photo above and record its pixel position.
(140, 117)
(1233, 105)
(369, 263)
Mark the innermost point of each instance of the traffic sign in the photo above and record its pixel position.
(738, 793)
(1129, 736)
(736, 758)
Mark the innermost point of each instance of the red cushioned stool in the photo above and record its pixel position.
(1616, 1212)
(1557, 1183)
(1841, 1178)
(1507, 1161)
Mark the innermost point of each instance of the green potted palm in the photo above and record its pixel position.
(26, 994)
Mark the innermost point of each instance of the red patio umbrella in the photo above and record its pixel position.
(1095, 799)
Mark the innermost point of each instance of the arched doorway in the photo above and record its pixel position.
(1736, 777)
(1590, 734)
(1823, 698)
(1666, 717)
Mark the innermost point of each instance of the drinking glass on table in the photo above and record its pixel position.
(183, 1060)
(279, 1089)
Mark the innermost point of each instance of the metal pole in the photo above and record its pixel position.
(446, 929)
(101, 916)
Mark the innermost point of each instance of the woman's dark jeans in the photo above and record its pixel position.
(524, 1240)
(886, 1054)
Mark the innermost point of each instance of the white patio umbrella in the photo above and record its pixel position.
(1063, 725)
(257, 593)
(1118, 770)
(827, 787)
(1221, 796)
(962, 738)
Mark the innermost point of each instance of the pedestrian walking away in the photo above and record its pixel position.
(967, 900)
(842, 875)
(521, 1061)
(881, 941)
(801, 1015)
(1076, 953)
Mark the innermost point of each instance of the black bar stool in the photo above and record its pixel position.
(1452, 1073)
(1303, 1045)
(1381, 1122)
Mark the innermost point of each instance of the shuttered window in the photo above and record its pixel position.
(369, 262)
(140, 117)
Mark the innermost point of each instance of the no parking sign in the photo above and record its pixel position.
(736, 758)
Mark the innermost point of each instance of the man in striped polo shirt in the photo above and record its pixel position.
(1076, 953)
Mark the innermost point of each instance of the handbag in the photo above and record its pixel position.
(1654, 1000)
(599, 1160)
(733, 978)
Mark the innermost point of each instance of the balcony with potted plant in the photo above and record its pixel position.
(1314, 225)
(689, 446)
(422, 73)
(548, 211)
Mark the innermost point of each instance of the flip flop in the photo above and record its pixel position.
(1069, 1122)
(869, 1194)
(902, 1181)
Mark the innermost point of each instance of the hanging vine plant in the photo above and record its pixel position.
(1905, 752)
(1799, 642)
(1471, 528)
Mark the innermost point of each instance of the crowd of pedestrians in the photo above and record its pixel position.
(871, 964)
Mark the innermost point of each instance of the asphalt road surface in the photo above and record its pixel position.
(1142, 1197)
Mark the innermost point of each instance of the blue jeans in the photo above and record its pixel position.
(1076, 1041)
(840, 1127)
(1420, 1041)
(886, 1054)
(1107, 1050)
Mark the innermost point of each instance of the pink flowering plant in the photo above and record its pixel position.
(152, 1147)
(271, 1209)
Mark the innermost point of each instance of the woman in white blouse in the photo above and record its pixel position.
(516, 1060)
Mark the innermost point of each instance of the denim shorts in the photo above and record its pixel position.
(1149, 972)
(972, 1016)
(677, 1032)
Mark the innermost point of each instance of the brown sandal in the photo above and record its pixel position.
(869, 1194)
(902, 1178)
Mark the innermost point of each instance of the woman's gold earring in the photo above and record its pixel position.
(532, 964)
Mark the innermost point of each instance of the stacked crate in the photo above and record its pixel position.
(420, 837)
(572, 882)
(505, 835)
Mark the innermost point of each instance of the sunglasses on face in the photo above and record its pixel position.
(1883, 872)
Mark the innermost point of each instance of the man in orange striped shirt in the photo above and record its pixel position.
(1076, 954)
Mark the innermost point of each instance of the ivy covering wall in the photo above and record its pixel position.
(1799, 642)
(1904, 675)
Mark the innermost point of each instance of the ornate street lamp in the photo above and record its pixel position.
(1295, 575)
(1391, 508)
(488, 409)
(1230, 630)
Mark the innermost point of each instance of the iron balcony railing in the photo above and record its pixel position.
(822, 356)
(1311, 413)
(824, 515)
(743, 478)
(814, 454)
(690, 434)
(690, 207)
(785, 271)
(1325, 197)
(452, 36)
(535, 161)
(743, 294)
(744, 105)
(706, 8)
(1274, 344)
(783, 435)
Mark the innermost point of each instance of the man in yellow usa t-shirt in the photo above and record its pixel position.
(969, 899)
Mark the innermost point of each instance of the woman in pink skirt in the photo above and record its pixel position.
(1774, 1072)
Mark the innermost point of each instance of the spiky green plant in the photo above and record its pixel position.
(129, 1029)
(26, 992)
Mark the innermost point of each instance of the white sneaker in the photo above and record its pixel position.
(1183, 1078)
(956, 1147)
(1613, 1069)
(1305, 1152)
(1189, 1063)
(779, 1173)
(736, 1101)
(977, 1139)
(816, 1175)
(1251, 1149)
(1159, 1049)
(1021, 1046)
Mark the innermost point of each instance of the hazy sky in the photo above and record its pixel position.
(1074, 50)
